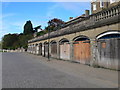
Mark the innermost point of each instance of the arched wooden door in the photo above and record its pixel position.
(37, 49)
(43, 50)
(108, 48)
(65, 50)
(53, 49)
(46, 50)
(81, 48)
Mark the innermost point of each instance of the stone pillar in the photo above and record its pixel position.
(71, 51)
(93, 45)
(42, 49)
(30, 48)
(58, 50)
(34, 49)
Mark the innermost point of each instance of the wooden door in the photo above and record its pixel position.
(43, 50)
(54, 50)
(108, 52)
(46, 50)
(82, 52)
(65, 51)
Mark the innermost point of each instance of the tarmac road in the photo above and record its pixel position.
(23, 70)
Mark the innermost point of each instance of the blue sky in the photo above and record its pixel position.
(15, 14)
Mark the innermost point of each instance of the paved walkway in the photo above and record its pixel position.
(32, 71)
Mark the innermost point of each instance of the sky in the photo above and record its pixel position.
(15, 14)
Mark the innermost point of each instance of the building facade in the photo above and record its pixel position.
(93, 40)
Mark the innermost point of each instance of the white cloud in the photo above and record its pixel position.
(7, 15)
(68, 6)
(51, 11)
(73, 7)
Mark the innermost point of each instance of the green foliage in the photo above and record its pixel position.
(8, 41)
(23, 40)
(28, 28)
(41, 33)
(14, 41)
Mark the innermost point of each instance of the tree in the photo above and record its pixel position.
(41, 33)
(23, 40)
(14, 41)
(55, 24)
(28, 28)
(9, 41)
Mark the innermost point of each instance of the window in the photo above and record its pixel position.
(94, 6)
(93, 0)
(112, 1)
(101, 3)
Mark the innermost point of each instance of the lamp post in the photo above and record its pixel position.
(48, 44)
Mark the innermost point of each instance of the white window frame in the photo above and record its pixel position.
(112, 1)
(94, 7)
(101, 3)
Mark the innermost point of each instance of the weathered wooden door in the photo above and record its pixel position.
(82, 52)
(37, 49)
(108, 52)
(65, 51)
(54, 50)
(46, 50)
(40, 49)
(43, 50)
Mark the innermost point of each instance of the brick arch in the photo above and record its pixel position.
(80, 37)
(40, 43)
(64, 40)
(45, 42)
(112, 32)
(53, 41)
(36, 44)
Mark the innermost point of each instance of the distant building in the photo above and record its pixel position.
(37, 29)
(98, 5)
